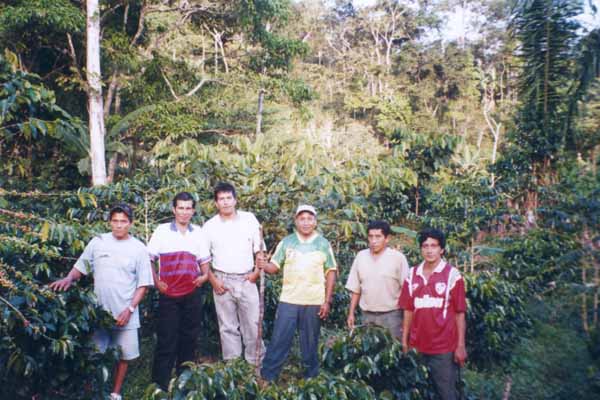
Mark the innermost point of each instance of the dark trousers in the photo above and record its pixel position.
(290, 317)
(444, 372)
(177, 330)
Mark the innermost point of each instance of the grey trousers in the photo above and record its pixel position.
(237, 313)
(444, 372)
(391, 320)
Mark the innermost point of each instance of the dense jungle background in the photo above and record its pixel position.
(479, 117)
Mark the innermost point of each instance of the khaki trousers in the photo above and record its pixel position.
(237, 313)
(391, 320)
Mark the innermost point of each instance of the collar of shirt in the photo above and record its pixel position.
(439, 268)
(376, 258)
(173, 226)
(227, 220)
(310, 239)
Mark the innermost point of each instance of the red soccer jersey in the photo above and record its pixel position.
(434, 303)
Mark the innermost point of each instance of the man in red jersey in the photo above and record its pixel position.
(434, 304)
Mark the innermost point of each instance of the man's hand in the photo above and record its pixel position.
(350, 321)
(261, 261)
(123, 318)
(252, 277)
(460, 355)
(218, 286)
(405, 347)
(201, 280)
(162, 286)
(324, 310)
(61, 284)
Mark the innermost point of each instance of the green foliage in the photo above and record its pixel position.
(463, 207)
(425, 153)
(389, 114)
(575, 205)
(546, 30)
(46, 348)
(497, 320)
(236, 380)
(555, 355)
(540, 259)
(367, 364)
(38, 136)
(583, 89)
(372, 355)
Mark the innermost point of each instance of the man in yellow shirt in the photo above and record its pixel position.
(309, 272)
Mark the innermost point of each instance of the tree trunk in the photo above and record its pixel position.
(584, 312)
(417, 200)
(259, 112)
(472, 255)
(216, 55)
(94, 92)
(223, 53)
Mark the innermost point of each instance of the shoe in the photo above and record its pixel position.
(115, 396)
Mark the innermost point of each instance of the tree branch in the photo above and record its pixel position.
(74, 57)
(169, 85)
(140, 27)
(197, 87)
(110, 94)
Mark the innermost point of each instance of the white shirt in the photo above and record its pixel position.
(233, 242)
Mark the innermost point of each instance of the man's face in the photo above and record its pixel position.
(377, 240)
(431, 251)
(183, 211)
(226, 203)
(306, 223)
(120, 224)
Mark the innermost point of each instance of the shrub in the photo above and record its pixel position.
(369, 353)
(496, 318)
(46, 348)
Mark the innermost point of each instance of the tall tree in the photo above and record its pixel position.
(547, 33)
(95, 103)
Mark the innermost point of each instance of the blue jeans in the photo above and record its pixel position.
(290, 317)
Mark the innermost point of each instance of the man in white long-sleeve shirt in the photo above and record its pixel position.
(234, 240)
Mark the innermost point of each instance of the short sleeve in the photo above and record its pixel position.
(154, 244)
(406, 301)
(353, 282)
(279, 256)
(258, 242)
(203, 248)
(143, 268)
(330, 263)
(403, 268)
(458, 296)
(85, 262)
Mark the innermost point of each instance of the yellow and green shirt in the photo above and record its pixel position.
(305, 264)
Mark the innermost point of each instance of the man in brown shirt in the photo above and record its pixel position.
(375, 281)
